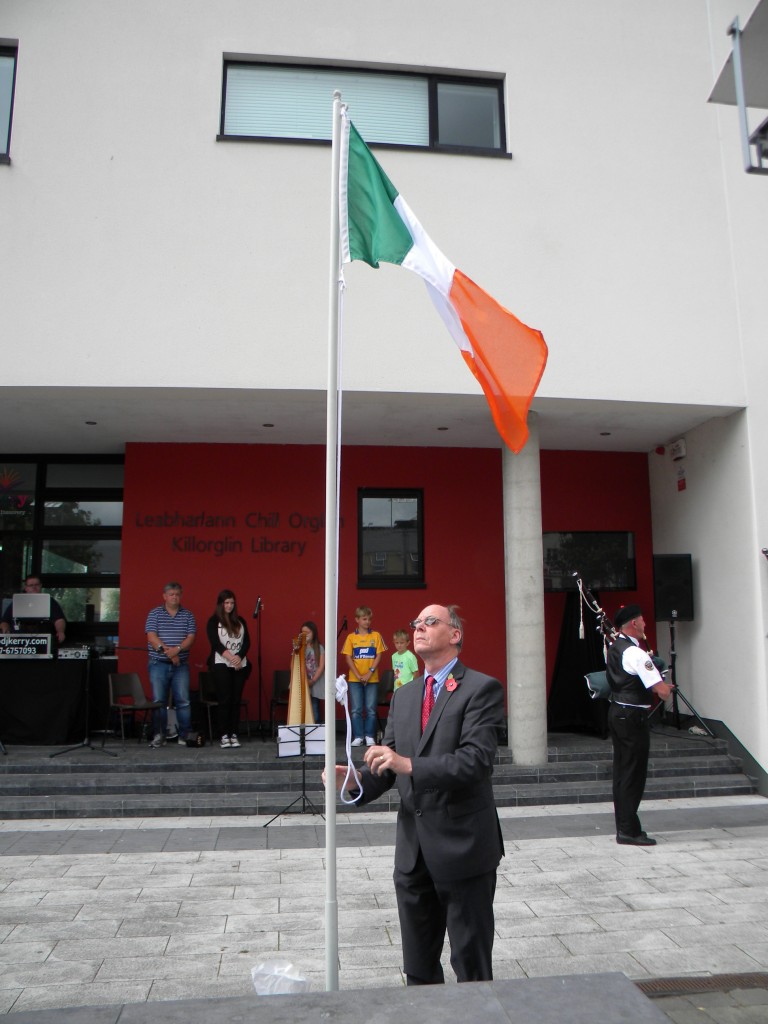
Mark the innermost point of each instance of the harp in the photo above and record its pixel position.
(299, 703)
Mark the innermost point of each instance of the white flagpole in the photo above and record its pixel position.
(331, 567)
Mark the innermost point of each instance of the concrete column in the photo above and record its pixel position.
(524, 572)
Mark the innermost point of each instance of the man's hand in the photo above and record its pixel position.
(381, 759)
(341, 774)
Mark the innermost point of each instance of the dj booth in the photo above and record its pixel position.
(46, 691)
(42, 700)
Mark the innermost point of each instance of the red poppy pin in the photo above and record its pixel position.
(450, 684)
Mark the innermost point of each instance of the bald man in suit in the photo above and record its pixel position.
(448, 844)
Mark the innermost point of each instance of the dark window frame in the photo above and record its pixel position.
(8, 50)
(433, 79)
(369, 580)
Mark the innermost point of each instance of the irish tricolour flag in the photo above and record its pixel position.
(506, 356)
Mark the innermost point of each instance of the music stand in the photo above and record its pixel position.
(86, 742)
(677, 693)
(292, 742)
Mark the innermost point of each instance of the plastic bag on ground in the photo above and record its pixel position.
(278, 977)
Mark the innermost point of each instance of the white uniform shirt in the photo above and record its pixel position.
(637, 662)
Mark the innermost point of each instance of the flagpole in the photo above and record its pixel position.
(331, 566)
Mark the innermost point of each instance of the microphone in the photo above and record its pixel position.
(259, 606)
(344, 623)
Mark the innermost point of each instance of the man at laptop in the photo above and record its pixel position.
(32, 585)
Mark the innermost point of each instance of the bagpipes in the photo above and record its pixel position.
(597, 682)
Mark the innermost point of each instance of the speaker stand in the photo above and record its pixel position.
(677, 694)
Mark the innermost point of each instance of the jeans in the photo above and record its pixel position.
(317, 710)
(359, 694)
(165, 678)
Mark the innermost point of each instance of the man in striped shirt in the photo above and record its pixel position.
(170, 634)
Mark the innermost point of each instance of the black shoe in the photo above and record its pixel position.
(642, 840)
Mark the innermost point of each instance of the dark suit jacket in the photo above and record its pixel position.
(446, 806)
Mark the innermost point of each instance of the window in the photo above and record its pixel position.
(390, 538)
(605, 561)
(7, 83)
(61, 518)
(427, 111)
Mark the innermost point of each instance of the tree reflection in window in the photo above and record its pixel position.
(390, 538)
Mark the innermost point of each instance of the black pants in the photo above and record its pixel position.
(229, 692)
(631, 736)
(427, 908)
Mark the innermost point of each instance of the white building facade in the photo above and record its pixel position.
(170, 283)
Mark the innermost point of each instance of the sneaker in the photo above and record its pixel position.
(358, 742)
(226, 742)
(234, 741)
(157, 740)
(369, 741)
(171, 735)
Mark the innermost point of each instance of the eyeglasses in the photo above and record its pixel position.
(430, 620)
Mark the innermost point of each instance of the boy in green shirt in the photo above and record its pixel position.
(404, 663)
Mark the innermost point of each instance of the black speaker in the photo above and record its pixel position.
(673, 587)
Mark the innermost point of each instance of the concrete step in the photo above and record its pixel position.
(187, 781)
(271, 778)
(209, 803)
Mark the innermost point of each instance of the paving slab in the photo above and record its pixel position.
(569, 903)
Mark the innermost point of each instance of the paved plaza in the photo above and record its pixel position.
(125, 911)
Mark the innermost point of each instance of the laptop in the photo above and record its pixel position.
(32, 606)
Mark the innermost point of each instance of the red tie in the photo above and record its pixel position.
(429, 702)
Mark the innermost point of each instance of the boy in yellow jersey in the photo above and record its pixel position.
(363, 650)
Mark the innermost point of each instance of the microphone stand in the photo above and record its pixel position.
(257, 617)
(342, 627)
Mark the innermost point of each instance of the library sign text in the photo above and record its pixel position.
(256, 533)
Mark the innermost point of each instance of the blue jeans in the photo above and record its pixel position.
(359, 694)
(165, 678)
(317, 710)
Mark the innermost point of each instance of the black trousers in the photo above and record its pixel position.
(428, 908)
(229, 692)
(631, 736)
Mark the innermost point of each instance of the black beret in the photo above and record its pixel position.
(626, 613)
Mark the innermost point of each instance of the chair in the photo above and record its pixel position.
(281, 685)
(127, 698)
(208, 698)
(386, 689)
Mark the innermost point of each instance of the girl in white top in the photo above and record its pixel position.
(229, 640)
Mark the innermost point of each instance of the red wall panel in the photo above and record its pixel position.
(250, 517)
(598, 491)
